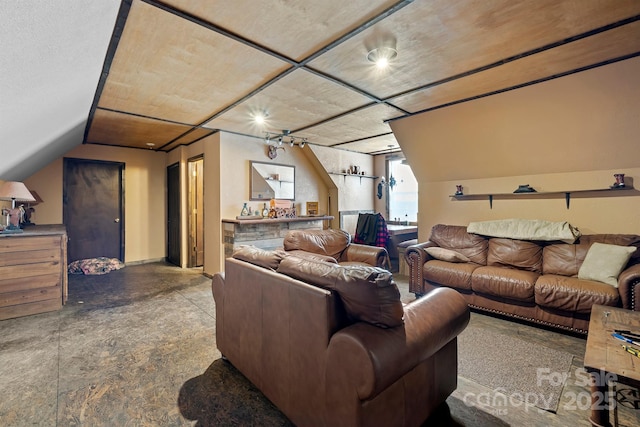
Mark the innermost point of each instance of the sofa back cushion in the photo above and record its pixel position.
(259, 257)
(324, 242)
(456, 238)
(369, 294)
(566, 259)
(521, 254)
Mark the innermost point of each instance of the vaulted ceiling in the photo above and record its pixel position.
(178, 70)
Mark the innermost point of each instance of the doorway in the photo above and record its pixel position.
(93, 208)
(196, 212)
(173, 214)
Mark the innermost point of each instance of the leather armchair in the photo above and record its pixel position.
(336, 246)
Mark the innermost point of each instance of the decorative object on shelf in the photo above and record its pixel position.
(15, 192)
(458, 190)
(282, 209)
(245, 210)
(619, 180)
(265, 211)
(381, 185)
(312, 208)
(392, 182)
(355, 169)
(526, 188)
(29, 209)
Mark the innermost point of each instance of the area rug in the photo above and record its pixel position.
(517, 372)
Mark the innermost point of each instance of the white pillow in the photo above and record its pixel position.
(604, 263)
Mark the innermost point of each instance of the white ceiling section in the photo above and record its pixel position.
(176, 71)
(51, 57)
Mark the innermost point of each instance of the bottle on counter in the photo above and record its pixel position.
(265, 211)
(245, 210)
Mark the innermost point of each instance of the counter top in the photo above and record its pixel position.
(401, 229)
(259, 220)
(38, 230)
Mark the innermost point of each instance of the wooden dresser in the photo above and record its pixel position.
(33, 271)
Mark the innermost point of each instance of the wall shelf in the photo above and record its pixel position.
(345, 175)
(627, 190)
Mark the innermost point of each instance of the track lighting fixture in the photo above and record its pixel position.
(279, 139)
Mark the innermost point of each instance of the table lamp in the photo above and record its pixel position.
(16, 192)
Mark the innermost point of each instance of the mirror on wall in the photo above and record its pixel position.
(272, 181)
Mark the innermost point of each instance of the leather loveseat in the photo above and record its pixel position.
(333, 345)
(334, 246)
(537, 281)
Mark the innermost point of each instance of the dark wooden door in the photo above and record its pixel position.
(173, 214)
(93, 206)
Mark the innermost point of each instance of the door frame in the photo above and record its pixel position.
(192, 223)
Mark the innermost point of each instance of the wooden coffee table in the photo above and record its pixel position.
(606, 360)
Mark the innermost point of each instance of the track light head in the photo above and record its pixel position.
(280, 141)
(292, 142)
(303, 142)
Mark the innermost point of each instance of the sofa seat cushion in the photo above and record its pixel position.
(572, 294)
(368, 294)
(504, 282)
(451, 274)
(520, 254)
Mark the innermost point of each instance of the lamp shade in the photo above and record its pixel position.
(14, 190)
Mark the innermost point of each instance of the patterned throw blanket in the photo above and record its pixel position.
(100, 265)
(526, 229)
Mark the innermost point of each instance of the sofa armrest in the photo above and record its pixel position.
(415, 256)
(629, 288)
(372, 255)
(363, 360)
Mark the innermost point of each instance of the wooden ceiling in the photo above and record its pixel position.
(179, 70)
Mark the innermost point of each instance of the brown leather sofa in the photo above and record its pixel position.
(334, 246)
(530, 280)
(332, 345)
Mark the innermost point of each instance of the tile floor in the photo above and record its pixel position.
(136, 347)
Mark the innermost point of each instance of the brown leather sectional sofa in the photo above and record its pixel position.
(530, 280)
(333, 345)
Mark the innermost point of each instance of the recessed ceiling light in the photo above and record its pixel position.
(381, 56)
(150, 144)
(260, 118)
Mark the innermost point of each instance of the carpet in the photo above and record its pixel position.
(515, 370)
